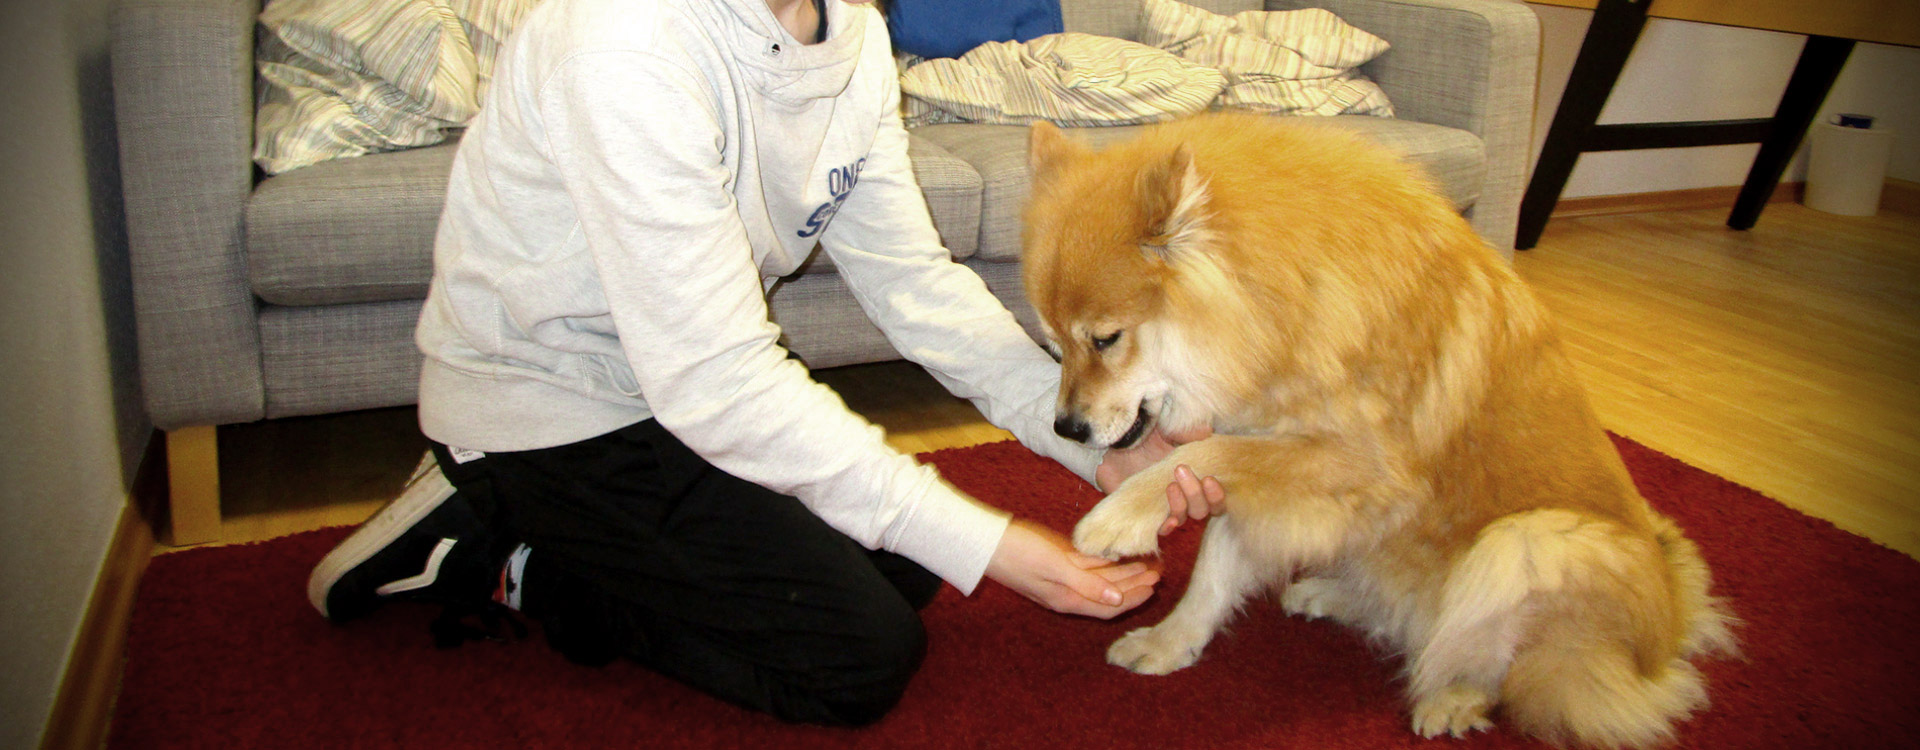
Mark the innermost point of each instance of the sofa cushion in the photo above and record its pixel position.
(317, 360)
(348, 230)
(361, 229)
(1455, 158)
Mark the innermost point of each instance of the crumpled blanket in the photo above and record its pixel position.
(1070, 79)
(1303, 62)
(348, 77)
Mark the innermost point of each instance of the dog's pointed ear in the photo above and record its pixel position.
(1048, 148)
(1173, 196)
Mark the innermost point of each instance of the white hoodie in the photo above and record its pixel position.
(651, 168)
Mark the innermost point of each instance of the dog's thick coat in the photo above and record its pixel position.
(1404, 445)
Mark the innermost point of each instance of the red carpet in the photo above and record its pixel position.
(224, 652)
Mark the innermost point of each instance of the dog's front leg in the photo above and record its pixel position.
(1291, 501)
(1222, 578)
(1127, 523)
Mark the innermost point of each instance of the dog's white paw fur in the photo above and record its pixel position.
(1456, 710)
(1313, 598)
(1156, 650)
(1126, 524)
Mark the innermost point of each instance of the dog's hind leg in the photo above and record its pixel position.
(1565, 619)
(1459, 664)
(1314, 597)
(1456, 676)
(1608, 668)
(1223, 577)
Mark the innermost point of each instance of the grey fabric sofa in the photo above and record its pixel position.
(296, 294)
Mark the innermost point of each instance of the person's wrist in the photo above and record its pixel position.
(1001, 563)
(1106, 476)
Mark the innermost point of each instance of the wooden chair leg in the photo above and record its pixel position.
(193, 477)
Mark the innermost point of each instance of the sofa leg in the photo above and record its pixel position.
(193, 477)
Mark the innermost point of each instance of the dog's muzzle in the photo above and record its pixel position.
(1141, 422)
(1075, 427)
(1072, 427)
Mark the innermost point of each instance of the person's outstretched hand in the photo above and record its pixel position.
(1042, 566)
(1189, 496)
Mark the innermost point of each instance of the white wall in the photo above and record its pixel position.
(70, 421)
(1694, 71)
(1884, 81)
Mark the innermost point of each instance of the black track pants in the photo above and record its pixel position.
(640, 548)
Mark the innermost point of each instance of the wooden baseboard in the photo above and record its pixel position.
(1668, 200)
(83, 709)
(151, 489)
(1901, 197)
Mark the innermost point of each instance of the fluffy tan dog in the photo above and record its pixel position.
(1404, 445)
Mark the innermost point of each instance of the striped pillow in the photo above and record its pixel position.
(1296, 62)
(1070, 79)
(348, 77)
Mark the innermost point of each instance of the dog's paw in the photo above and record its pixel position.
(1312, 598)
(1457, 710)
(1156, 650)
(1123, 525)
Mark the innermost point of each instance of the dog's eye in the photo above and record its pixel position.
(1100, 343)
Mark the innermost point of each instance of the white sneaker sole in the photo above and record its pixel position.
(426, 490)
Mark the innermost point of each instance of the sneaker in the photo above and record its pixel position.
(427, 545)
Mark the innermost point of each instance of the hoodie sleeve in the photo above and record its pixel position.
(939, 313)
(645, 173)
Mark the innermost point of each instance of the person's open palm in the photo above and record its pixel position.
(1043, 566)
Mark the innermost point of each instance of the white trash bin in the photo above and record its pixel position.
(1847, 166)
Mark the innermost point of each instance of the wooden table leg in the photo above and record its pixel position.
(1820, 63)
(1610, 38)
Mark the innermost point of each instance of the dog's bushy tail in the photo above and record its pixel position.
(1596, 695)
(1571, 688)
(1709, 623)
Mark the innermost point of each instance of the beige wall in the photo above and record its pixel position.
(69, 416)
(1694, 71)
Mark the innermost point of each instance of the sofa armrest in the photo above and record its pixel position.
(183, 99)
(1468, 64)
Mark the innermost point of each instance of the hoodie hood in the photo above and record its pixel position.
(787, 70)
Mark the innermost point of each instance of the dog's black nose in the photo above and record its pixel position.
(1072, 428)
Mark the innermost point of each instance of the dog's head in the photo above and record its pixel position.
(1114, 243)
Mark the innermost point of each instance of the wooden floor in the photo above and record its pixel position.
(287, 476)
(1786, 358)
